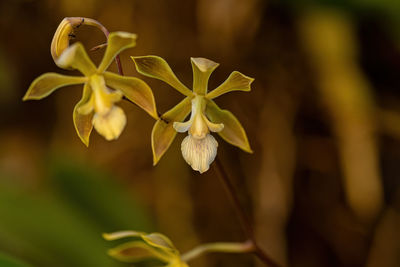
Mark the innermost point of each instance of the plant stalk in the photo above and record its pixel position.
(242, 215)
(226, 247)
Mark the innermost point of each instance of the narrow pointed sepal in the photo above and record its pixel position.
(156, 67)
(117, 42)
(47, 83)
(75, 57)
(83, 122)
(160, 241)
(233, 132)
(135, 90)
(235, 82)
(151, 246)
(163, 132)
(110, 125)
(136, 251)
(202, 69)
(199, 153)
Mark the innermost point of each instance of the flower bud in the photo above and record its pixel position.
(64, 33)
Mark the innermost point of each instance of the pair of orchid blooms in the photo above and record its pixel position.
(102, 91)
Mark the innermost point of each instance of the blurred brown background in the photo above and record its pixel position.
(323, 119)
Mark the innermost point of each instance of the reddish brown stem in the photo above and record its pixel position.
(242, 215)
(95, 23)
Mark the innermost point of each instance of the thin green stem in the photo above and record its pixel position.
(225, 247)
(242, 215)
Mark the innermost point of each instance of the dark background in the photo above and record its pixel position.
(323, 119)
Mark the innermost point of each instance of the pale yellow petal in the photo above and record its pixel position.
(202, 69)
(117, 42)
(163, 132)
(157, 67)
(75, 57)
(135, 90)
(182, 127)
(47, 83)
(213, 127)
(83, 122)
(235, 82)
(233, 132)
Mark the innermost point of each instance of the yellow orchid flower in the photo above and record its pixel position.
(199, 148)
(101, 91)
(149, 246)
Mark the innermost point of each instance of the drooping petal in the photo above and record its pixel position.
(136, 251)
(235, 82)
(182, 127)
(233, 131)
(75, 57)
(157, 67)
(163, 132)
(199, 153)
(135, 90)
(47, 83)
(213, 127)
(83, 122)
(202, 69)
(110, 125)
(117, 42)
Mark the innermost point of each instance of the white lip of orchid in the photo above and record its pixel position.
(199, 153)
(199, 148)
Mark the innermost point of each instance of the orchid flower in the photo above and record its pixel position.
(199, 148)
(148, 246)
(101, 90)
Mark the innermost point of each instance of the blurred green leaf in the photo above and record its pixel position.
(8, 261)
(99, 196)
(60, 224)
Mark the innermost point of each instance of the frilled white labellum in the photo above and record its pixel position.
(199, 153)
(199, 148)
(111, 124)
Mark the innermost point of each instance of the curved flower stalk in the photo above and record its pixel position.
(147, 246)
(199, 148)
(101, 91)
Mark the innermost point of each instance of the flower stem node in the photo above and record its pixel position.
(199, 148)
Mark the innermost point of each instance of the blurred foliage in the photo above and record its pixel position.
(61, 224)
(8, 261)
